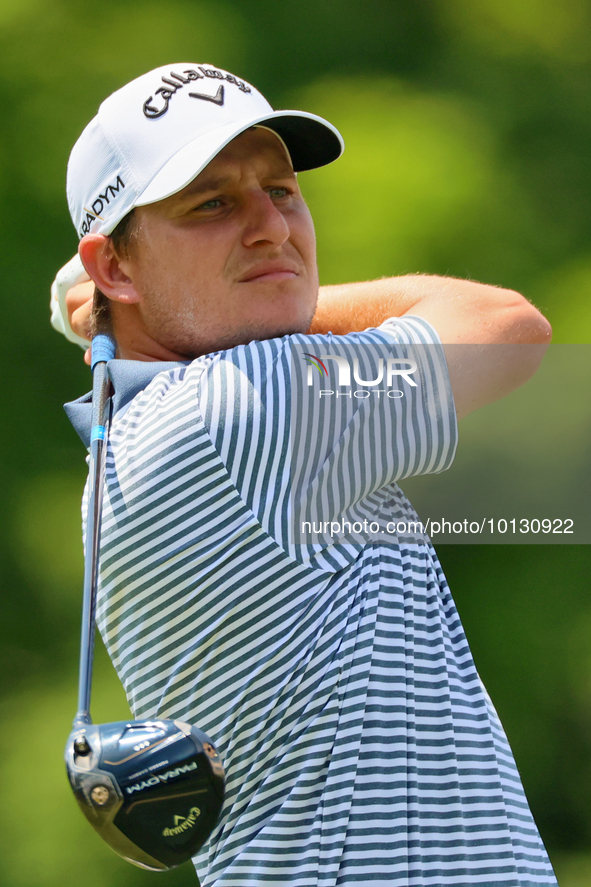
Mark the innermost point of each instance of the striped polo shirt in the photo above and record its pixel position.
(359, 743)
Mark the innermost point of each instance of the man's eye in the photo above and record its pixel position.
(214, 203)
(278, 193)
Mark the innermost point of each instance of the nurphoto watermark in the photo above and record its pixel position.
(374, 430)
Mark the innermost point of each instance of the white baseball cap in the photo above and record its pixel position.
(154, 135)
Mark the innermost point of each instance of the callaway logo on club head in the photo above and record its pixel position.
(171, 86)
(182, 823)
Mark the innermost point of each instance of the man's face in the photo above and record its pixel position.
(231, 257)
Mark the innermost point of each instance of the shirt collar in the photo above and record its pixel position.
(128, 378)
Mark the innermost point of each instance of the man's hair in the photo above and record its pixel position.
(122, 237)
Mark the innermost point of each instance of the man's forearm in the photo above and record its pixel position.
(463, 313)
(351, 307)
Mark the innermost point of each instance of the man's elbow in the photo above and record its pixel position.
(522, 333)
(521, 323)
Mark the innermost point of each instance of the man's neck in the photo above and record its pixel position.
(137, 344)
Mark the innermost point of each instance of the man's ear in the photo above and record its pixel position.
(107, 269)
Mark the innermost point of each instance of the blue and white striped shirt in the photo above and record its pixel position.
(359, 743)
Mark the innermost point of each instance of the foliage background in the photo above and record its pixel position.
(468, 130)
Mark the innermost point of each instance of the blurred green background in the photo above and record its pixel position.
(468, 131)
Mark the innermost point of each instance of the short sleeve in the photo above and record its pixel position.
(370, 409)
(289, 450)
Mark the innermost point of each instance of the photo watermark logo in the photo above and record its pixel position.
(388, 371)
(369, 420)
(357, 425)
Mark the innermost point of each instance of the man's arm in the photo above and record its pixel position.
(463, 313)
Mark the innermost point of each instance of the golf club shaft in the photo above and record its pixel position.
(103, 350)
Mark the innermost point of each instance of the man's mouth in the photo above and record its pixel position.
(269, 272)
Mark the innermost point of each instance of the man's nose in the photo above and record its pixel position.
(264, 222)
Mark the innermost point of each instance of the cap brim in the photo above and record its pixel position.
(310, 140)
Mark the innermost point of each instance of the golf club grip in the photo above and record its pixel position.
(103, 349)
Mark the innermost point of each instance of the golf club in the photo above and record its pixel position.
(153, 790)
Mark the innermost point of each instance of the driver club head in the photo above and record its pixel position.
(153, 790)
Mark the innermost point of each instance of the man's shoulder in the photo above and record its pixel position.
(132, 377)
(409, 329)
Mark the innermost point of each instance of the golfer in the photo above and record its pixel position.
(332, 671)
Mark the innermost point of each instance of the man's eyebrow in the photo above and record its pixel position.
(218, 183)
(282, 169)
(201, 186)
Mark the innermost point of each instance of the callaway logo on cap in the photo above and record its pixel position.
(153, 136)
